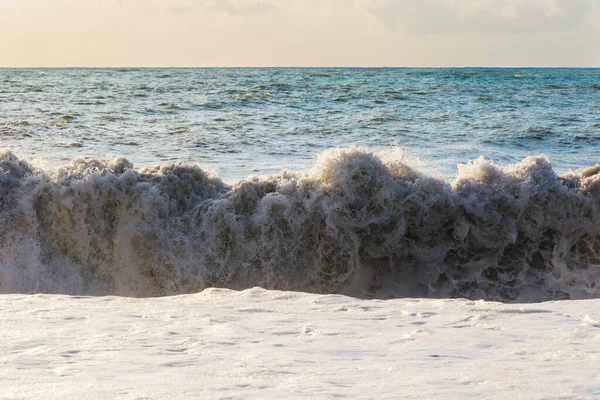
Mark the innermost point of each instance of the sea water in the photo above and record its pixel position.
(477, 183)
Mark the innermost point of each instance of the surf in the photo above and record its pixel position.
(358, 223)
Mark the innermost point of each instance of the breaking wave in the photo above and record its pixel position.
(357, 224)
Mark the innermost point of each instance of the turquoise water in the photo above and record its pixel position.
(254, 121)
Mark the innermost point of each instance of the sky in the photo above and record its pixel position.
(205, 33)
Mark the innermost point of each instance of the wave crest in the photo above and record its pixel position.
(358, 223)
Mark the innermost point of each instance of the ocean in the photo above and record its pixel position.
(299, 233)
(375, 183)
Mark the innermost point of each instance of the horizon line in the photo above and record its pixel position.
(298, 67)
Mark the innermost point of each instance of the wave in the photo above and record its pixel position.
(359, 223)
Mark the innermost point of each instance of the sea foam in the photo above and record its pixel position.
(358, 224)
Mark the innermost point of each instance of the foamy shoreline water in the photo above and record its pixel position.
(259, 344)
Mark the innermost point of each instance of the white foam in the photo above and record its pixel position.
(260, 344)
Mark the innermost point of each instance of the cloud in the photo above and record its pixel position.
(240, 7)
(180, 9)
(482, 16)
(231, 7)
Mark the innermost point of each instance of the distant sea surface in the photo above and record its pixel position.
(474, 183)
(246, 121)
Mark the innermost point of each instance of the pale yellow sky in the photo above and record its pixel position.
(57, 33)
